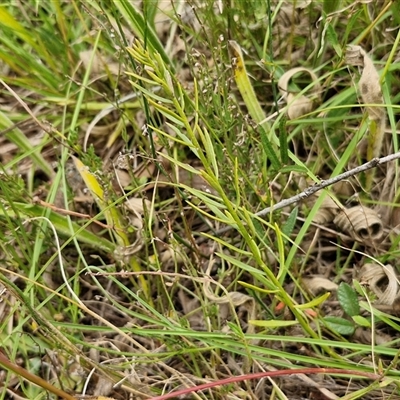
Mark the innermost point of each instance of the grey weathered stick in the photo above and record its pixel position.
(319, 186)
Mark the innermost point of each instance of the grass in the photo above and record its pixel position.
(136, 255)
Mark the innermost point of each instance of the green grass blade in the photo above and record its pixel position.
(143, 29)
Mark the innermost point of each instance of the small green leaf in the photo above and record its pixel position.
(362, 321)
(348, 299)
(238, 263)
(283, 144)
(257, 288)
(288, 227)
(268, 149)
(293, 168)
(332, 39)
(357, 286)
(340, 325)
(329, 6)
(259, 229)
(314, 303)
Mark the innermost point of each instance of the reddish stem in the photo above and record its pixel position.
(270, 374)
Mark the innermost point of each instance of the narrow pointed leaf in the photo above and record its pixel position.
(283, 144)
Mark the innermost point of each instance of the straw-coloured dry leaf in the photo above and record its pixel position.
(298, 105)
(396, 304)
(137, 206)
(381, 280)
(344, 189)
(327, 212)
(371, 95)
(369, 85)
(231, 300)
(329, 208)
(171, 254)
(361, 223)
(319, 284)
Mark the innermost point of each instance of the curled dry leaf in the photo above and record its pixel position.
(361, 223)
(298, 105)
(369, 85)
(371, 95)
(231, 300)
(344, 189)
(328, 210)
(319, 284)
(381, 280)
(172, 254)
(137, 206)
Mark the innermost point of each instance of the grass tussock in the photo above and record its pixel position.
(151, 243)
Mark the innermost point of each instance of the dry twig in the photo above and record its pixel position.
(319, 186)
